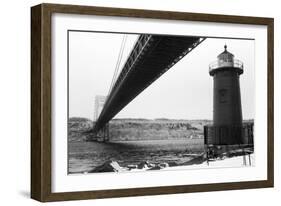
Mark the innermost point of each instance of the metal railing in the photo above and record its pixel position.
(218, 64)
(228, 134)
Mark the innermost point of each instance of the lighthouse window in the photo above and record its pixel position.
(222, 95)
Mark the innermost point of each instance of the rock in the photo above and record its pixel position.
(196, 160)
(157, 167)
(173, 164)
(109, 166)
(145, 165)
(132, 167)
(163, 165)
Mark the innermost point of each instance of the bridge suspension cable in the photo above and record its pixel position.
(117, 66)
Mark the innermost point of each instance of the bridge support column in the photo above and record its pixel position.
(102, 135)
(105, 133)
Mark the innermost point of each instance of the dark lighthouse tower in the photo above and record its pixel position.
(227, 128)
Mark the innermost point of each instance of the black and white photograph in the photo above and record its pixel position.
(155, 102)
(133, 102)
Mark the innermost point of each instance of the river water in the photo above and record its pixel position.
(84, 156)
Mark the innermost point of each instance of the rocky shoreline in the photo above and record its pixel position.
(195, 160)
(114, 166)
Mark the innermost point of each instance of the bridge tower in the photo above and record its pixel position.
(227, 128)
(103, 133)
(99, 103)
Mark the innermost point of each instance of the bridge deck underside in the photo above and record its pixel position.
(157, 56)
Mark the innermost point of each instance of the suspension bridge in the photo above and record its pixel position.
(150, 57)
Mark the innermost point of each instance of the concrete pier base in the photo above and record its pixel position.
(102, 135)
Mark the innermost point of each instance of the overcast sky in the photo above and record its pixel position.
(183, 92)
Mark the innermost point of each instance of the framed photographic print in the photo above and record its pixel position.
(130, 102)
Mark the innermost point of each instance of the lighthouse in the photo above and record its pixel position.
(227, 128)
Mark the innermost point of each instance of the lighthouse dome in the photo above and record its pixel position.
(225, 56)
(225, 60)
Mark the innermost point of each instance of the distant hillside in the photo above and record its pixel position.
(80, 129)
(139, 129)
